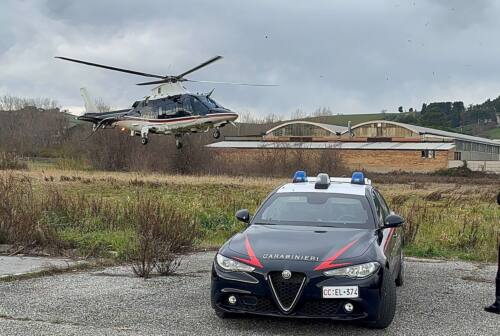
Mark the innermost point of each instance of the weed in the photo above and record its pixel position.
(434, 196)
(162, 233)
(10, 161)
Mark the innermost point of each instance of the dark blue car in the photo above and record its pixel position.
(316, 248)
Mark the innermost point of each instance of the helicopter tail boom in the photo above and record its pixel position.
(92, 113)
(90, 106)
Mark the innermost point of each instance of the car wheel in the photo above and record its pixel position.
(387, 308)
(400, 280)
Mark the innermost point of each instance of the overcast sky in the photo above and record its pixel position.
(351, 56)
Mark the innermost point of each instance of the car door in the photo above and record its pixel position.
(390, 242)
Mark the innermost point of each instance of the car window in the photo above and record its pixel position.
(316, 209)
(385, 207)
(380, 206)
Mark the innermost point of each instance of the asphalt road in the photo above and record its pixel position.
(439, 298)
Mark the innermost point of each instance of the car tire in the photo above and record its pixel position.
(387, 308)
(400, 280)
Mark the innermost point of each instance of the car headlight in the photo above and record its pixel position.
(355, 271)
(232, 265)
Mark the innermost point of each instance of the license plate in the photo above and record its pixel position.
(340, 292)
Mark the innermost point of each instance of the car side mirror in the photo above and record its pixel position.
(243, 216)
(393, 221)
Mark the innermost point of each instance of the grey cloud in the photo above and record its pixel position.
(355, 57)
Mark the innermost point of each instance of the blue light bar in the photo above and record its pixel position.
(299, 176)
(358, 178)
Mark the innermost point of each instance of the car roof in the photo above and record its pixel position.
(336, 187)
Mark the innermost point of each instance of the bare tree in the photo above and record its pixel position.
(14, 103)
(101, 105)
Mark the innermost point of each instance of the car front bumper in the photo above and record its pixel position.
(254, 296)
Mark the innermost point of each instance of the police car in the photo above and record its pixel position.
(316, 248)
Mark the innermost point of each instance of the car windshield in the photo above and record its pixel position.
(316, 209)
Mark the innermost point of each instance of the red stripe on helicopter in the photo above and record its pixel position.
(329, 262)
(253, 259)
(180, 118)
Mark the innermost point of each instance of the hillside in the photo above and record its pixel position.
(494, 133)
(484, 129)
(343, 119)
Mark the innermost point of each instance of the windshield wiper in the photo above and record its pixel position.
(264, 223)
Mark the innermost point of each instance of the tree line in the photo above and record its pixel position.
(452, 115)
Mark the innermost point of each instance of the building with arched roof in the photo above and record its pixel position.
(466, 147)
(379, 146)
(298, 128)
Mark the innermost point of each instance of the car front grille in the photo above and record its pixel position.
(252, 304)
(259, 304)
(319, 308)
(314, 308)
(286, 291)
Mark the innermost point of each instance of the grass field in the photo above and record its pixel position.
(494, 133)
(457, 220)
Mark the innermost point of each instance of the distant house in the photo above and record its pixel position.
(378, 146)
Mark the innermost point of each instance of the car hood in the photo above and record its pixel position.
(301, 243)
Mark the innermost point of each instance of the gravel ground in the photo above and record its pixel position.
(439, 298)
(20, 265)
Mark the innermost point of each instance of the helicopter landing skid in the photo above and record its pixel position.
(216, 133)
(178, 141)
(144, 135)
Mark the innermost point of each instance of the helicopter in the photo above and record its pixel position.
(170, 109)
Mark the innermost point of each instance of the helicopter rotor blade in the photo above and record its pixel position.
(204, 64)
(167, 80)
(229, 83)
(110, 67)
(163, 79)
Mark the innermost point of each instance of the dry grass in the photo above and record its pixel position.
(93, 212)
(9, 161)
(448, 220)
(59, 175)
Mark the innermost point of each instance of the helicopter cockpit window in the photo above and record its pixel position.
(209, 102)
(195, 106)
(198, 107)
(135, 104)
(171, 108)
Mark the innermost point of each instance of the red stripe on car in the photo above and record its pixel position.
(254, 261)
(329, 262)
(389, 237)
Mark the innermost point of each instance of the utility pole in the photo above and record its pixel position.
(495, 307)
